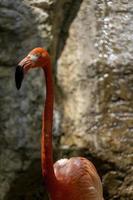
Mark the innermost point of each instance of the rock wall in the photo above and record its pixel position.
(23, 26)
(95, 75)
(91, 48)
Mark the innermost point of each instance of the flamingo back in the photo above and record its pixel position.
(77, 179)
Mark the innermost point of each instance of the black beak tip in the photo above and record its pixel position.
(19, 75)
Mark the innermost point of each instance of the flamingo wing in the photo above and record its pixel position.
(78, 180)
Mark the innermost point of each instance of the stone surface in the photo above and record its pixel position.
(91, 46)
(23, 26)
(95, 76)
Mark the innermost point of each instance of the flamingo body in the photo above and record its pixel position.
(77, 180)
(68, 179)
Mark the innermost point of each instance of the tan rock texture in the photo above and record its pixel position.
(91, 45)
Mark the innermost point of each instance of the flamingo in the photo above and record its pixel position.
(68, 179)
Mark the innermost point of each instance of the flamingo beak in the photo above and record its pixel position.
(22, 68)
(19, 75)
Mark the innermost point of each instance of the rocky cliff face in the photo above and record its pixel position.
(91, 46)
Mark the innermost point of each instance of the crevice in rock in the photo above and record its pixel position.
(64, 14)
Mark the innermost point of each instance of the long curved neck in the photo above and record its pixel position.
(47, 121)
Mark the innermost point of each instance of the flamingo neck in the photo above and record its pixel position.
(47, 122)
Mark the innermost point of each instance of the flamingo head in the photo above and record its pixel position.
(38, 57)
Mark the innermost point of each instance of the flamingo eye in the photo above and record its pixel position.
(34, 57)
